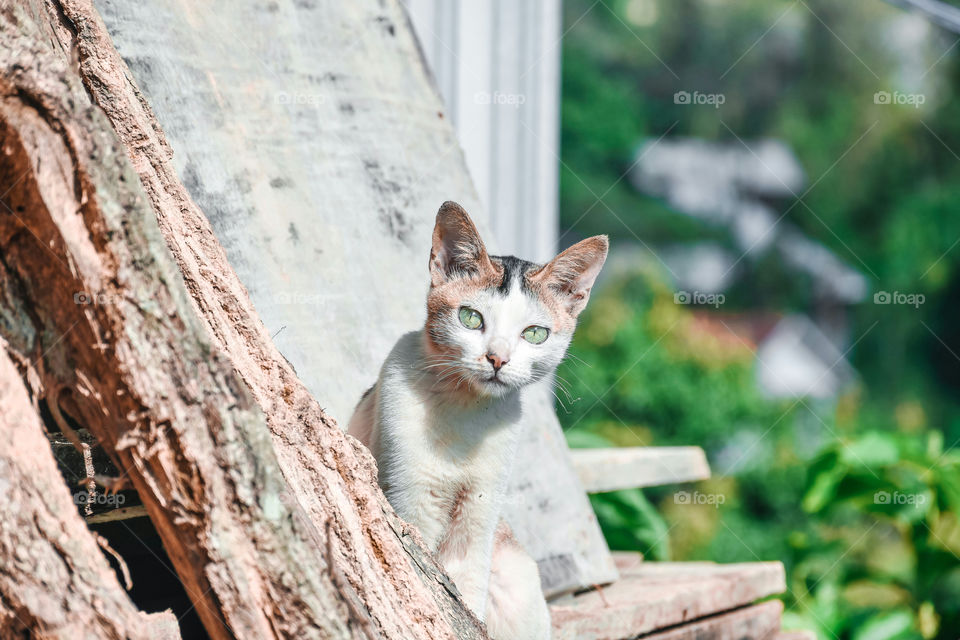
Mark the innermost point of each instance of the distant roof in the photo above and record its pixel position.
(794, 357)
(734, 185)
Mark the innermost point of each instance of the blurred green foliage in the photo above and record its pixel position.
(884, 555)
(859, 497)
(867, 525)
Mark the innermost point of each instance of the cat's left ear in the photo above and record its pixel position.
(457, 248)
(572, 273)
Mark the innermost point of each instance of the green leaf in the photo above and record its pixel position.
(823, 489)
(630, 522)
(891, 625)
(950, 488)
(872, 450)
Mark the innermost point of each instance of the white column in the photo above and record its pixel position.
(497, 66)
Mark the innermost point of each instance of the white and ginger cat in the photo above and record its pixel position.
(444, 416)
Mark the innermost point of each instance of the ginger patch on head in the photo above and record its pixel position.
(459, 267)
(497, 323)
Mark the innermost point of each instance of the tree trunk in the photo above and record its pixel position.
(54, 580)
(172, 370)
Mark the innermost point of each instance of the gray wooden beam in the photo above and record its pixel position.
(759, 622)
(611, 469)
(655, 595)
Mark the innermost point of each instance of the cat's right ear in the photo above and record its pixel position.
(457, 249)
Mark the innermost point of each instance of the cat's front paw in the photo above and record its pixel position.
(516, 609)
(472, 585)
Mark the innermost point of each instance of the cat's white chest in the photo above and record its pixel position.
(450, 447)
(438, 459)
(467, 450)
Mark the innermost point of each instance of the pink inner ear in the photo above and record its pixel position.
(575, 270)
(457, 246)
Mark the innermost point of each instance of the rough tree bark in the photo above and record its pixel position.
(332, 476)
(54, 577)
(282, 538)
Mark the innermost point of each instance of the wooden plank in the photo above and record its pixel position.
(123, 513)
(548, 509)
(654, 595)
(610, 469)
(757, 622)
(627, 561)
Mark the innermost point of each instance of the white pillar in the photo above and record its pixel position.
(497, 67)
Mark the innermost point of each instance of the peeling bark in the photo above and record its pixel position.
(53, 579)
(118, 346)
(270, 515)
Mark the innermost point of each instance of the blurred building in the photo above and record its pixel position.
(737, 186)
(497, 67)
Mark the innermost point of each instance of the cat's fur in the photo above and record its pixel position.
(444, 417)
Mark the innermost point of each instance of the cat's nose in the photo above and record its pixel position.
(496, 361)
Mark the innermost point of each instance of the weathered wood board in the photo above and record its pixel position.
(757, 622)
(310, 134)
(611, 469)
(655, 595)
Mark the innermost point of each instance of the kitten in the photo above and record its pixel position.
(444, 417)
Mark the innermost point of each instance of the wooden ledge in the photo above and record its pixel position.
(653, 596)
(759, 621)
(611, 469)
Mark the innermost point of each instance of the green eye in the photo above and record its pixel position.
(535, 334)
(470, 318)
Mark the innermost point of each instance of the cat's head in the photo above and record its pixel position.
(495, 324)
